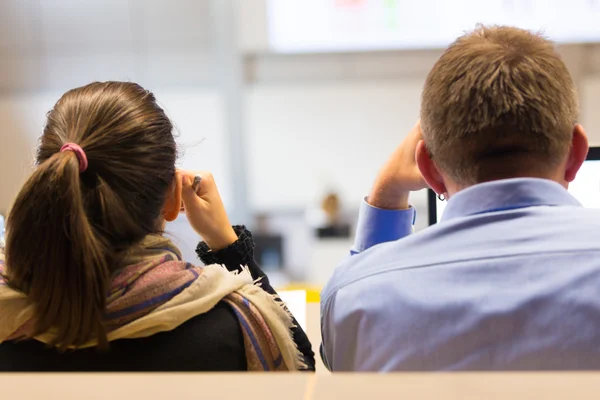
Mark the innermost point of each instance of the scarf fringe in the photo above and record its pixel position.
(294, 356)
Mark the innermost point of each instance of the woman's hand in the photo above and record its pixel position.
(205, 210)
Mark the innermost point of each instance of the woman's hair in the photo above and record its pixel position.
(67, 228)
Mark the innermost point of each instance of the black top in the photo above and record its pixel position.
(208, 342)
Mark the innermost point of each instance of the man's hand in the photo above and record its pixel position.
(205, 211)
(399, 176)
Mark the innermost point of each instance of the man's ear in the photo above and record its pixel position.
(172, 205)
(429, 170)
(577, 154)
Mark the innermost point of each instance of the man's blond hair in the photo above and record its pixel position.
(499, 103)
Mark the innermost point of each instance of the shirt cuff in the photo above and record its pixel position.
(376, 225)
(240, 252)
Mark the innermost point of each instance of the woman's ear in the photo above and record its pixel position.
(172, 205)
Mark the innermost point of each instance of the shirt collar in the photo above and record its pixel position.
(507, 194)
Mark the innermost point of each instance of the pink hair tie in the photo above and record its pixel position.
(75, 148)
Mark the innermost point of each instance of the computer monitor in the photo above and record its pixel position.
(268, 251)
(585, 187)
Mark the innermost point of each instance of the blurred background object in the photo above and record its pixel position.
(334, 226)
(293, 105)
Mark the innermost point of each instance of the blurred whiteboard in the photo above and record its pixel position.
(360, 25)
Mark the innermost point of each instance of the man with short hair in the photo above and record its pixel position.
(510, 278)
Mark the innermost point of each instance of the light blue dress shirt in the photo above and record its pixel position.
(508, 280)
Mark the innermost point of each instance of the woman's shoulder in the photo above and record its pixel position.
(219, 327)
(207, 342)
(212, 341)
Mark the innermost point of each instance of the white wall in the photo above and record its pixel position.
(21, 120)
(252, 23)
(590, 107)
(58, 44)
(304, 139)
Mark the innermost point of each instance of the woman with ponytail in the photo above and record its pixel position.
(89, 283)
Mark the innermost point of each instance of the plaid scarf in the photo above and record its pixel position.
(157, 292)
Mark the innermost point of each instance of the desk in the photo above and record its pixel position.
(463, 386)
(150, 386)
(278, 386)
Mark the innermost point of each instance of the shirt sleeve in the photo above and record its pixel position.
(376, 225)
